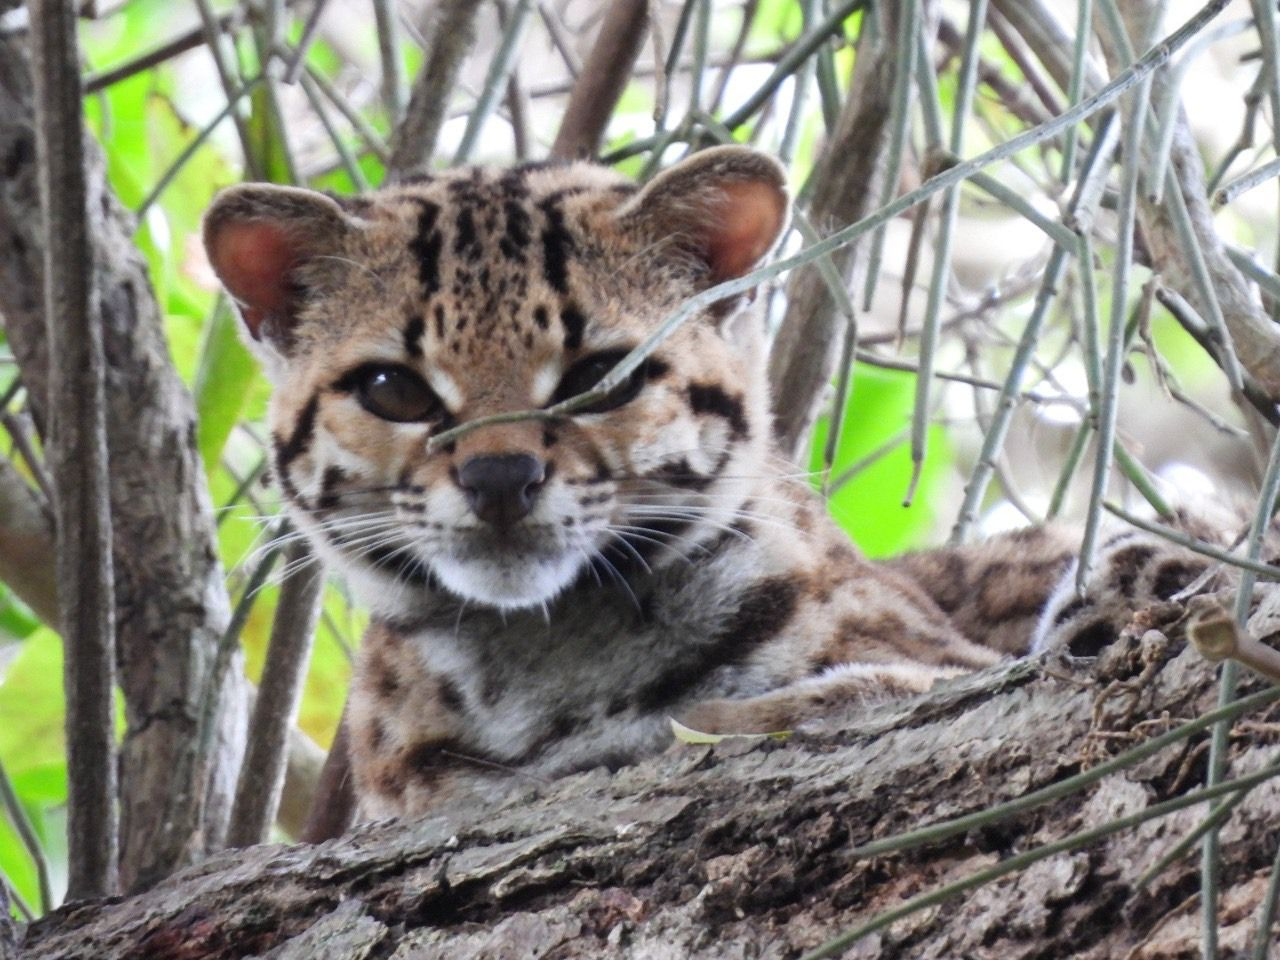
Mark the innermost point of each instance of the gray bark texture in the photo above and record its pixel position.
(743, 849)
(171, 602)
(77, 453)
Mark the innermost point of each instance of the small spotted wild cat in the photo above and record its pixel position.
(546, 596)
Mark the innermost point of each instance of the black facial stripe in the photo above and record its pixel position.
(574, 323)
(516, 239)
(426, 246)
(764, 609)
(540, 317)
(711, 398)
(299, 441)
(557, 246)
(466, 240)
(330, 480)
(680, 474)
(439, 316)
(413, 331)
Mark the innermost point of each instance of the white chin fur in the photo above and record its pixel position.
(508, 587)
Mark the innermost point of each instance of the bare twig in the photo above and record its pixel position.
(78, 455)
(26, 832)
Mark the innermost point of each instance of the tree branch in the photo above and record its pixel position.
(77, 455)
(704, 850)
(453, 34)
(603, 78)
(846, 186)
(171, 603)
(279, 693)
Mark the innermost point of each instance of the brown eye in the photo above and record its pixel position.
(589, 371)
(391, 392)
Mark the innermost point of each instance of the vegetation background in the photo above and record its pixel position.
(1034, 343)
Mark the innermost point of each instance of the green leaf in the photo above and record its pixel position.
(869, 507)
(223, 382)
(32, 706)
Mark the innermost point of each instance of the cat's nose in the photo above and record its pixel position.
(501, 488)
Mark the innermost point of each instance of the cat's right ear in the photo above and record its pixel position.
(260, 240)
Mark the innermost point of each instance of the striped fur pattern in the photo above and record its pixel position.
(667, 566)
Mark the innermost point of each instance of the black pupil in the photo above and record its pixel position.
(396, 394)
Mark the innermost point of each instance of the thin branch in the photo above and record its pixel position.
(26, 832)
(279, 693)
(78, 455)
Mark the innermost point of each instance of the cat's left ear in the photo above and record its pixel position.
(722, 210)
(270, 246)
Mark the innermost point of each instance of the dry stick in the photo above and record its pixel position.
(796, 55)
(1109, 405)
(561, 40)
(1193, 544)
(907, 24)
(388, 28)
(26, 832)
(1171, 104)
(349, 162)
(1231, 190)
(190, 150)
(517, 100)
(452, 36)
(1218, 745)
(1267, 913)
(296, 62)
(8, 937)
(367, 133)
(495, 81)
(603, 78)
(1021, 58)
(749, 9)
(77, 455)
(279, 693)
(950, 209)
(17, 431)
(1128, 78)
(188, 40)
(1079, 215)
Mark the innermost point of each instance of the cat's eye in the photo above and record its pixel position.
(391, 392)
(589, 371)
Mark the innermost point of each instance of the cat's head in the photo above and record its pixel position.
(387, 319)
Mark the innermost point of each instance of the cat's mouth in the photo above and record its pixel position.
(508, 579)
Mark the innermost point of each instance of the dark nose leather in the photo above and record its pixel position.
(501, 488)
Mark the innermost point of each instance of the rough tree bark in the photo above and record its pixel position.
(742, 850)
(77, 453)
(171, 601)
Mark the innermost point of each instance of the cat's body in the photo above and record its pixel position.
(548, 595)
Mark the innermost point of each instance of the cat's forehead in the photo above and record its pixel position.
(478, 266)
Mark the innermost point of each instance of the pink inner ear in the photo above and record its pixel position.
(746, 226)
(253, 259)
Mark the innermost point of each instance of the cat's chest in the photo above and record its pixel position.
(576, 691)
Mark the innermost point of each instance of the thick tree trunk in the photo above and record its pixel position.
(743, 849)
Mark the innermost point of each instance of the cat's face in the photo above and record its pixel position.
(387, 320)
